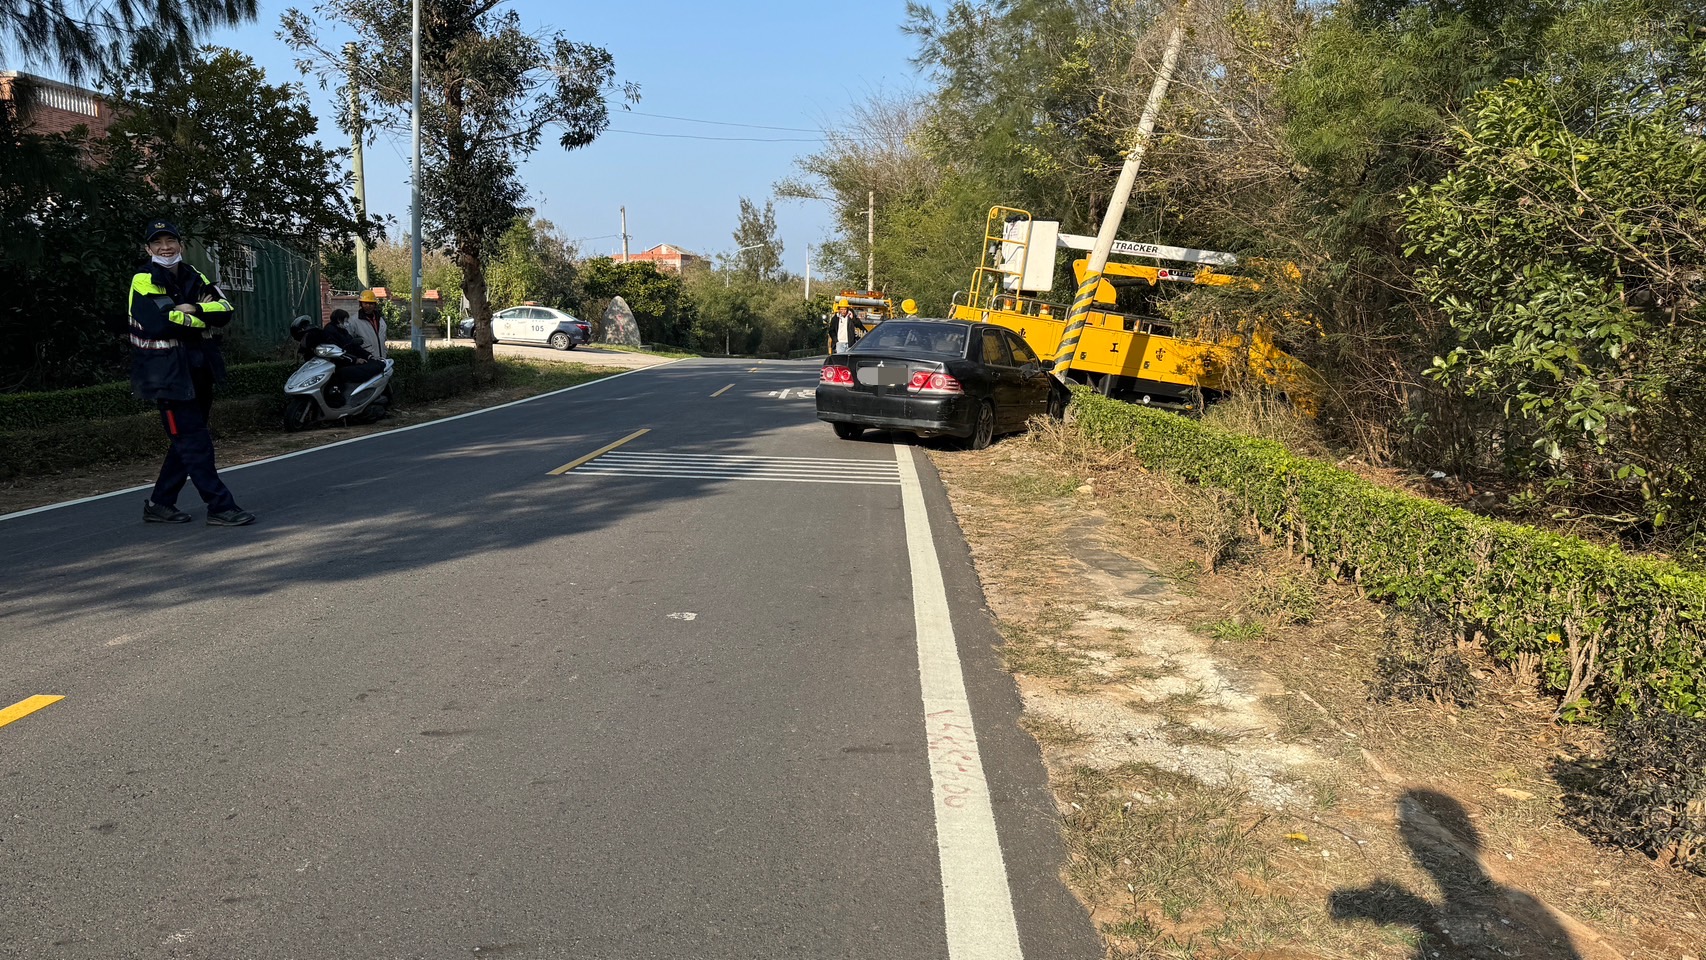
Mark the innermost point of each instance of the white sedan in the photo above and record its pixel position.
(530, 323)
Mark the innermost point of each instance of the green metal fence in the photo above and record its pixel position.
(269, 285)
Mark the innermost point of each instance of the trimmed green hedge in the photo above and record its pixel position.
(74, 428)
(28, 411)
(1604, 629)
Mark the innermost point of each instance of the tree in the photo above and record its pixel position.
(758, 253)
(876, 150)
(1570, 270)
(83, 37)
(662, 308)
(229, 153)
(70, 228)
(490, 92)
(534, 263)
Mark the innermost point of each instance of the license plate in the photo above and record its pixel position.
(883, 375)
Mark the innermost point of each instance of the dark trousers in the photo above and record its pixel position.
(350, 376)
(191, 455)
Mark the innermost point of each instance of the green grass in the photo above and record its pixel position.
(1025, 487)
(623, 348)
(1230, 630)
(1051, 732)
(545, 376)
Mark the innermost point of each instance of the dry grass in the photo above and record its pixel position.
(1228, 787)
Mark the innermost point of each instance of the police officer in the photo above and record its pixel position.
(175, 360)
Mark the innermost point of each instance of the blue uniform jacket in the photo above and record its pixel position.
(167, 345)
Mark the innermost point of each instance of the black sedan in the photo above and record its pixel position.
(937, 378)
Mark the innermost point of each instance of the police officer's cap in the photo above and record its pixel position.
(161, 228)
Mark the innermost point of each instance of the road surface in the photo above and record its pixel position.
(475, 688)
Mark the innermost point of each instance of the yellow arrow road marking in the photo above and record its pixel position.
(722, 391)
(24, 708)
(601, 451)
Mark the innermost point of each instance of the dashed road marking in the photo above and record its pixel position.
(24, 708)
(729, 467)
(722, 391)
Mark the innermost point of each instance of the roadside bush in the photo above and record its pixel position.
(65, 429)
(1648, 792)
(1606, 631)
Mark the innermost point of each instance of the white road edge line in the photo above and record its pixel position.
(328, 446)
(976, 898)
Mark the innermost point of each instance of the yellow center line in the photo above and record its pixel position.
(754, 370)
(722, 391)
(601, 451)
(24, 708)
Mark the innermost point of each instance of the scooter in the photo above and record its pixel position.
(308, 403)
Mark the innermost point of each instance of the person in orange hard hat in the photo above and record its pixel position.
(369, 325)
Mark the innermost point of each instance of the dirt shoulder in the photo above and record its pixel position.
(1227, 784)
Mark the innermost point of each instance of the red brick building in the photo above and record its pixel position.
(666, 257)
(47, 106)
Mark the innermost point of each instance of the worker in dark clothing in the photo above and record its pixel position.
(354, 368)
(175, 359)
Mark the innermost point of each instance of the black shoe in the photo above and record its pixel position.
(229, 518)
(155, 513)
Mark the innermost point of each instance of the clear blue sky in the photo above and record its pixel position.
(761, 62)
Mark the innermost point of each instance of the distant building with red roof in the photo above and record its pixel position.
(47, 106)
(664, 256)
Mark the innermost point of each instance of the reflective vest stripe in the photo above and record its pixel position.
(138, 340)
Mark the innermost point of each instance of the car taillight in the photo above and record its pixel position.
(836, 375)
(926, 382)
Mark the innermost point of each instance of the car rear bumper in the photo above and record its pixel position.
(925, 416)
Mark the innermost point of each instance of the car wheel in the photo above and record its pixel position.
(561, 341)
(848, 431)
(983, 432)
(1056, 405)
(300, 414)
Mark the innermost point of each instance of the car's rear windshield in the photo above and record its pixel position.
(938, 339)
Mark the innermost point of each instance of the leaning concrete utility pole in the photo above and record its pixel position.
(358, 133)
(624, 212)
(1116, 205)
(871, 240)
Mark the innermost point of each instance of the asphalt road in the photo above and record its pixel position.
(692, 698)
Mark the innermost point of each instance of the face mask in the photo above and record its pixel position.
(170, 261)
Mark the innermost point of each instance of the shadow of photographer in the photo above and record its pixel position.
(1479, 917)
